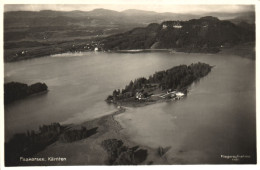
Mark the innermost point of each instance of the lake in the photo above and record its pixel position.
(218, 117)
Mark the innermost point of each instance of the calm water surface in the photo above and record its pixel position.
(216, 118)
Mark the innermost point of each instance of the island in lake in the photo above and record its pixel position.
(14, 90)
(163, 85)
(94, 113)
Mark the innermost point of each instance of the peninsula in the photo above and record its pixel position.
(171, 84)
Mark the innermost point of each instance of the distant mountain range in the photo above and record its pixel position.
(207, 34)
(60, 25)
(104, 17)
(100, 17)
(48, 32)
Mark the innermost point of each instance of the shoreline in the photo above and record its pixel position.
(243, 49)
(89, 151)
(141, 104)
(143, 50)
(113, 123)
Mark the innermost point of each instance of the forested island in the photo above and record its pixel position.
(14, 91)
(162, 85)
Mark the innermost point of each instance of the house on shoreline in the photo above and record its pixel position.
(173, 94)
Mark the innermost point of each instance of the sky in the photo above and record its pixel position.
(195, 9)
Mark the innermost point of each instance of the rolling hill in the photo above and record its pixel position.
(207, 34)
(48, 32)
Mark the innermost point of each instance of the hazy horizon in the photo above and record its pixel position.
(162, 8)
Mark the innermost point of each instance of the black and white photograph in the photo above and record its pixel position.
(129, 84)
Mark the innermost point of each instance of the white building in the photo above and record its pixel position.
(164, 26)
(179, 95)
(139, 96)
(177, 26)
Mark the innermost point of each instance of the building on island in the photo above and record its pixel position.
(179, 95)
(139, 96)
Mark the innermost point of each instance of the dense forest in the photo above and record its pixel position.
(207, 34)
(31, 142)
(177, 78)
(15, 91)
(119, 154)
(78, 134)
